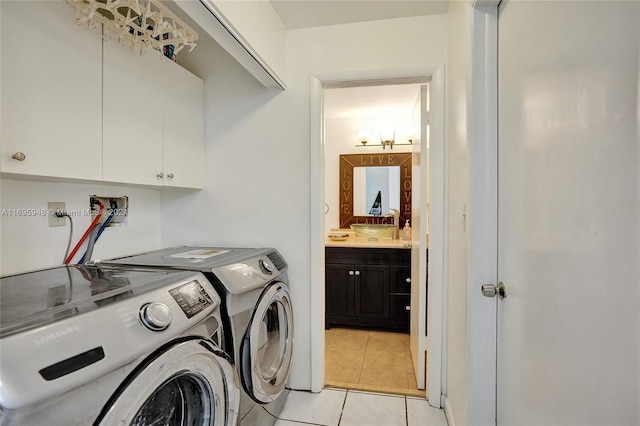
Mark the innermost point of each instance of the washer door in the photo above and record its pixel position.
(189, 383)
(268, 345)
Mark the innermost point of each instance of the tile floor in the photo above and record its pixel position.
(376, 361)
(338, 407)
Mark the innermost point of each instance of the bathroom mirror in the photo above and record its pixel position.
(355, 167)
(376, 190)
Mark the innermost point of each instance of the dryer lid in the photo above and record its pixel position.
(202, 259)
(37, 298)
(240, 270)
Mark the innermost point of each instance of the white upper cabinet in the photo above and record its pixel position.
(51, 92)
(250, 31)
(153, 120)
(183, 128)
(133, 101)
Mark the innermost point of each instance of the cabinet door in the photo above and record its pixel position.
(339, 290)
(183, 127)
(399, 310)
(401, 279)
(51, 91)
(133, 106)
(372, 291)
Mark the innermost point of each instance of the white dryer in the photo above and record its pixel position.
(257, 310)
(97, 345)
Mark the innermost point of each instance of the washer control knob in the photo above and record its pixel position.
(266, 266)
(155, 316)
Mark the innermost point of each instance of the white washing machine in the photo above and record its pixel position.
(97, 345)
(256, 308)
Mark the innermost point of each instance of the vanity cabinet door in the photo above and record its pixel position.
(401, 279)
(400, 298)
(339, 291)
(372, 291)
(399, 310)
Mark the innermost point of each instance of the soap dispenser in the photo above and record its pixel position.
(406, 231)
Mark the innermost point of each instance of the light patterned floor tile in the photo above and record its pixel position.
(381, 346)
(384, 378)
(344, 358)
(420, 413)
(290, 423)
(384, 361)
(322, 408)
(336, 373)
(348, 341)
(387, 357)
(362, 409)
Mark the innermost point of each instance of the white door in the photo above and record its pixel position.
(569, 249)
(419, 228)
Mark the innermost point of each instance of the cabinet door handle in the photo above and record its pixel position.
(19, 156)
(160, 175)
(408, 280)
(358, 273)
(170, 175)
(407, 308)
(350, 272)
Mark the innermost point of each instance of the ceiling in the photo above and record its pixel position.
(296, 14)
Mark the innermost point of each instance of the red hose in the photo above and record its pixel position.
(86, 234)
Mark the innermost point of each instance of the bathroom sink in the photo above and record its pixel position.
(373, 230)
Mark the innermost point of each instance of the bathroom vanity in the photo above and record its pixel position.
(368, 286)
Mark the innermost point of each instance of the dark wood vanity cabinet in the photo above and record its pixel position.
(367, 287)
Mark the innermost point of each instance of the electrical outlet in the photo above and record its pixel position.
(54, 220)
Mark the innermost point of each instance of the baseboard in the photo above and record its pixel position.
(447, 411)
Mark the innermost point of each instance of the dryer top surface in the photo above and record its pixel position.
(37, 298)
(240, 270)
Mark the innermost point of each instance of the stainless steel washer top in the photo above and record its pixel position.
(240, 270)
(80, 342)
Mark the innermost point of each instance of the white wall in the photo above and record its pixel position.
(29, 243)
(257, 147)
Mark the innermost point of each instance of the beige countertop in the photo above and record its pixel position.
(353, 241)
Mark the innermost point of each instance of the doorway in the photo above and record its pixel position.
(363, 123)
(319, 138)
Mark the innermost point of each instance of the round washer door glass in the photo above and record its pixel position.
(183, 400)
(191, 383)
(270, 341)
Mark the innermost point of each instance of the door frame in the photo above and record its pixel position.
(482, 263)
(317, 83)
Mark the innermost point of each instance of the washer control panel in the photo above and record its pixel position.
(191, 297)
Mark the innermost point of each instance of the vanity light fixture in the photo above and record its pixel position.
(363, 136)
(387, 138)
(145, 23)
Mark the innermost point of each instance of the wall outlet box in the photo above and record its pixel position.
(54, 220)
(119, 214)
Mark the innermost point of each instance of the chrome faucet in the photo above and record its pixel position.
(395, 214)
